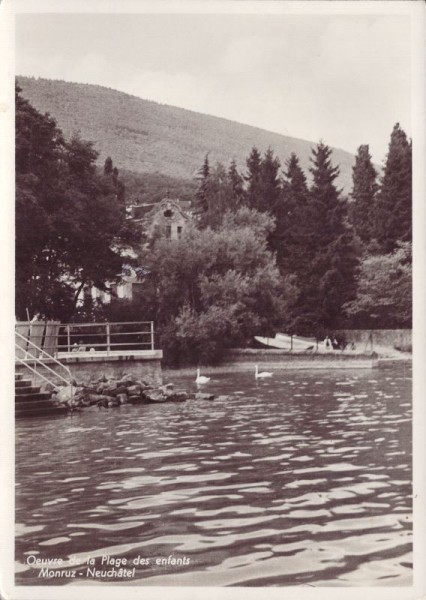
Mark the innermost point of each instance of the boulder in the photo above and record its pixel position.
(65, 394)
(122, 398)
(178, 396)
(134, 390)
(203, 396)
(155, 395)
(133, 399)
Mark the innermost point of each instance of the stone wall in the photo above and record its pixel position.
(387, 338)
(282, 359)
(84, 368)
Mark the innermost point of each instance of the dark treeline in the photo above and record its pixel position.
(348, 257)
(267, 250)
(71, 225)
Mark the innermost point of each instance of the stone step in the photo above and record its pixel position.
(18, 376)
(41, 411)
(32, 397)
(36, 404)
(22, 383)
(28, 391)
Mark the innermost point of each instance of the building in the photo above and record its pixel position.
(170, 217)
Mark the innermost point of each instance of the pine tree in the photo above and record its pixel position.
(264, 187)
(253, 178)
(237, 186)
(201, 206)
(292, 237)
(330, 282)
(363, 194)
(393, 215)
(108, 166)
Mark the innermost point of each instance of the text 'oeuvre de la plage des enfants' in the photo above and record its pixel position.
(105, 566)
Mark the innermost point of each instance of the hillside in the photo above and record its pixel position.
(147, 137)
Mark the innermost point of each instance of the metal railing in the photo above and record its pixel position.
(34, 357)
(105, 337)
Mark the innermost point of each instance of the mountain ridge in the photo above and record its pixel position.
(145, 136)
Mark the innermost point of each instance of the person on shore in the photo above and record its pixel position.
(327, 344)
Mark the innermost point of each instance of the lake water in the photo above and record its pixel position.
(301, 479)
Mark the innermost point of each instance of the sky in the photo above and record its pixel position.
(344, 79)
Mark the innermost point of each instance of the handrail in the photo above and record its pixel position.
(36, 360)
(105, 336)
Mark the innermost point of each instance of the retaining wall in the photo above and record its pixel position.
(143, 365)
(388, 338)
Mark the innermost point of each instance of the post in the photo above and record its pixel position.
(108, 335)
(152, 335)
(68, 338)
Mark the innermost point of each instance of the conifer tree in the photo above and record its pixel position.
(263, 191)
(363, 195)
(252, 178)
(108, 166)
(330, 281)
(393, 219)
(236, 183)
(292, 237)
(201, 198)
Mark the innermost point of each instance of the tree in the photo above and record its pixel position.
(263, 183)
(253, 178)
(69, 229)
(329, 281)
(363, 195)
(215, 288)
(237, 186)
(201, 205)
(393, 217)
(108, 166)
(291, 239)
(384, 293)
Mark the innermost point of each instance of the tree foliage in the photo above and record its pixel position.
(393, 218)
(214, 288)
(70, 229)
(384, 293)
(363, 195)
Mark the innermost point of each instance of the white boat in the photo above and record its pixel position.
(272, 342)
(297, 342)
(284, 342)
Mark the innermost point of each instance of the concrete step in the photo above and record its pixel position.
(33, 397)
(31, 402)
(28, 391)
(41, 411)
(23, 385)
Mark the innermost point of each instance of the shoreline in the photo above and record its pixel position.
(282, 361)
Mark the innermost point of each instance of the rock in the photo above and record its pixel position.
(135, 399)
(98, 398)
(178, 396)
(65, 394)
(202, 396)
(122, 389)
(223, 398)
(122, 398)
(155, 396)
(134, 390)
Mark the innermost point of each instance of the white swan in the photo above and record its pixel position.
(201, 378)
(262, 374)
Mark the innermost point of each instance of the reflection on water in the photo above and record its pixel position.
(301, 479)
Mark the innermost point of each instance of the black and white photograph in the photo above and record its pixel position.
(214, 241)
